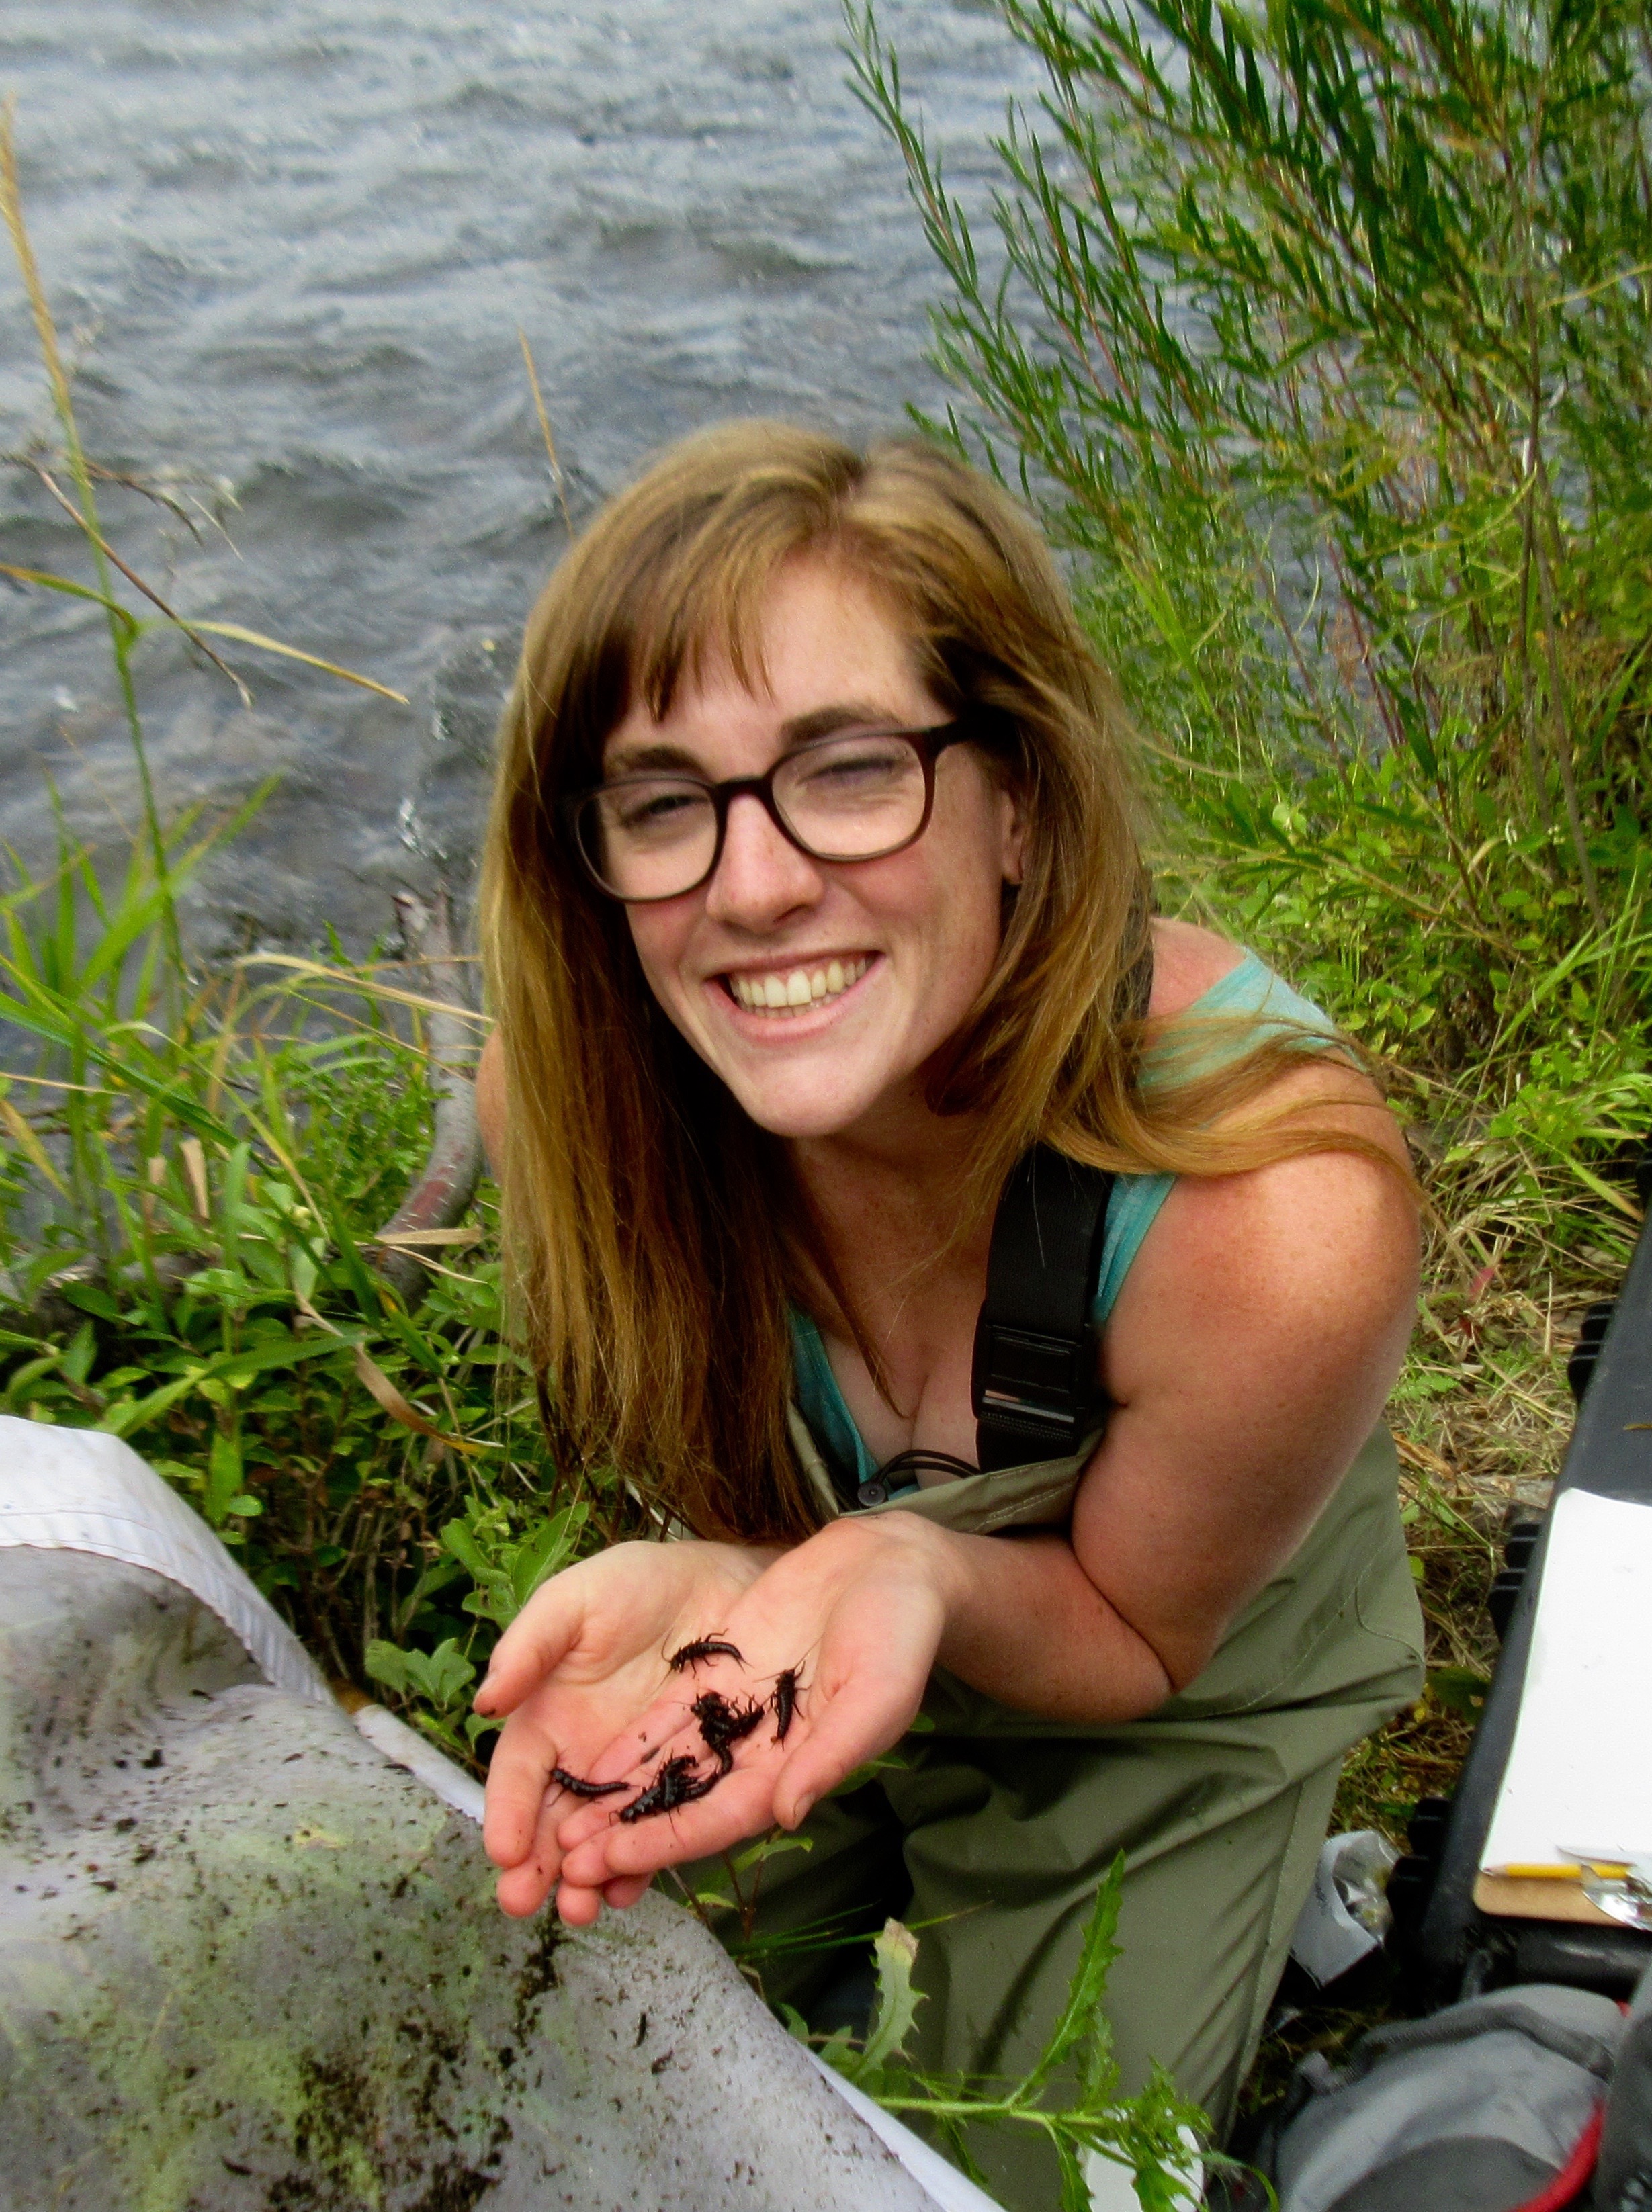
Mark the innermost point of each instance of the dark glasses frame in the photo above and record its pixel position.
(929, 744)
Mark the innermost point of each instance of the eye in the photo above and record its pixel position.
(863, 775)
(653, 810)
(853, 766)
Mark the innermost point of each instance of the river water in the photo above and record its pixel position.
(291, 244)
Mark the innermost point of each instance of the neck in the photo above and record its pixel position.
(889, 1194)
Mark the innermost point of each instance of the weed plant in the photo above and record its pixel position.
(194, 1172)
(1156, 2136)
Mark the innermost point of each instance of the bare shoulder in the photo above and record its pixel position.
(1187, 961)
(1320, 1250)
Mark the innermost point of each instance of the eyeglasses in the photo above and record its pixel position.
(857, 795)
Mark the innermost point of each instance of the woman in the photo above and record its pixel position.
(813, 900)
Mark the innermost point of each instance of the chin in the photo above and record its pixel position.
(802, 1110)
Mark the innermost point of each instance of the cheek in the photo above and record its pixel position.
(969, 873)
(660, 937)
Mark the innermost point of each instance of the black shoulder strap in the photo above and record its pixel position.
(1034, 1386)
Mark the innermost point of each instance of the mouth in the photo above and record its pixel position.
(781, 994)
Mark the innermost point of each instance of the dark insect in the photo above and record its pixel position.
(708, 1647)
(784, 1701)
(722, 1725)
(581, 1787)
(677, 1782)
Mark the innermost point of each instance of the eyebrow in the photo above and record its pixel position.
(657, 759)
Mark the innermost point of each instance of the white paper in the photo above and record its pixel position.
(1579, 1776)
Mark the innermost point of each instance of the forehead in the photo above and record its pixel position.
(820, 638)
(821, 623)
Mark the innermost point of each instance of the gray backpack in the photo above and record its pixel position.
(1623, 2175)
(1501, 2104)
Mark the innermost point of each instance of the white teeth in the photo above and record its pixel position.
(797, 987)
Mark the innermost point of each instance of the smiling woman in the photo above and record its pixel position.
(814, 902)
(912, 927)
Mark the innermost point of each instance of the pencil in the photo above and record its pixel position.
(1578, 1871)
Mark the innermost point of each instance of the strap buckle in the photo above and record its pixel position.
(1033, 1392)
(1034, 1380)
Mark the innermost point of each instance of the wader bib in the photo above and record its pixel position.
(994, 1832)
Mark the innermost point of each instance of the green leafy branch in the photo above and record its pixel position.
(1069, 2096)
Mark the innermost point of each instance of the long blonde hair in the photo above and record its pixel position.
(655, 1235)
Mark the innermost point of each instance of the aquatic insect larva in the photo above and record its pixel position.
(784, 1701)
(722, 1725)
(677, 1782)
(581, 1787)
(706, 1647)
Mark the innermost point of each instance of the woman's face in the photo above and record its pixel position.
(902, 946)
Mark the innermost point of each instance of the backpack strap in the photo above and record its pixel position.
(1034, 1384)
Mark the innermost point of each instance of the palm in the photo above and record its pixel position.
(858, 1644)
(583, 1659)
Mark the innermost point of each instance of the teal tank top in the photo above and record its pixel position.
(1250, 988)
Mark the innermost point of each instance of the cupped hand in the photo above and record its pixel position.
(856, 1614)
(581, 1664)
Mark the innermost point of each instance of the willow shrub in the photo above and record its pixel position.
(1321, 338)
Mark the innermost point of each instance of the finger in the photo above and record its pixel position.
(523, 1890)
(579, 1822)
(575, 1906)
(536, 1642)
(524, 1887)
(518, 1782)
(621, 1894)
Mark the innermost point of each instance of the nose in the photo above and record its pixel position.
(760, 876)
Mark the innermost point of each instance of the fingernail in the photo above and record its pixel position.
(801, 1811)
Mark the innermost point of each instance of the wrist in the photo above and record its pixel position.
(908, 1545)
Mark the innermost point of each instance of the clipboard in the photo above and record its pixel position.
(1581, 1764)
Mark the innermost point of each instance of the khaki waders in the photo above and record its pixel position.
(993, 1835)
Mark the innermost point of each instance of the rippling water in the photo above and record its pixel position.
(295, 240)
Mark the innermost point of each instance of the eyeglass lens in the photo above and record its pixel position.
(850, 797)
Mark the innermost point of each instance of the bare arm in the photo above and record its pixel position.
(1249, 1357)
